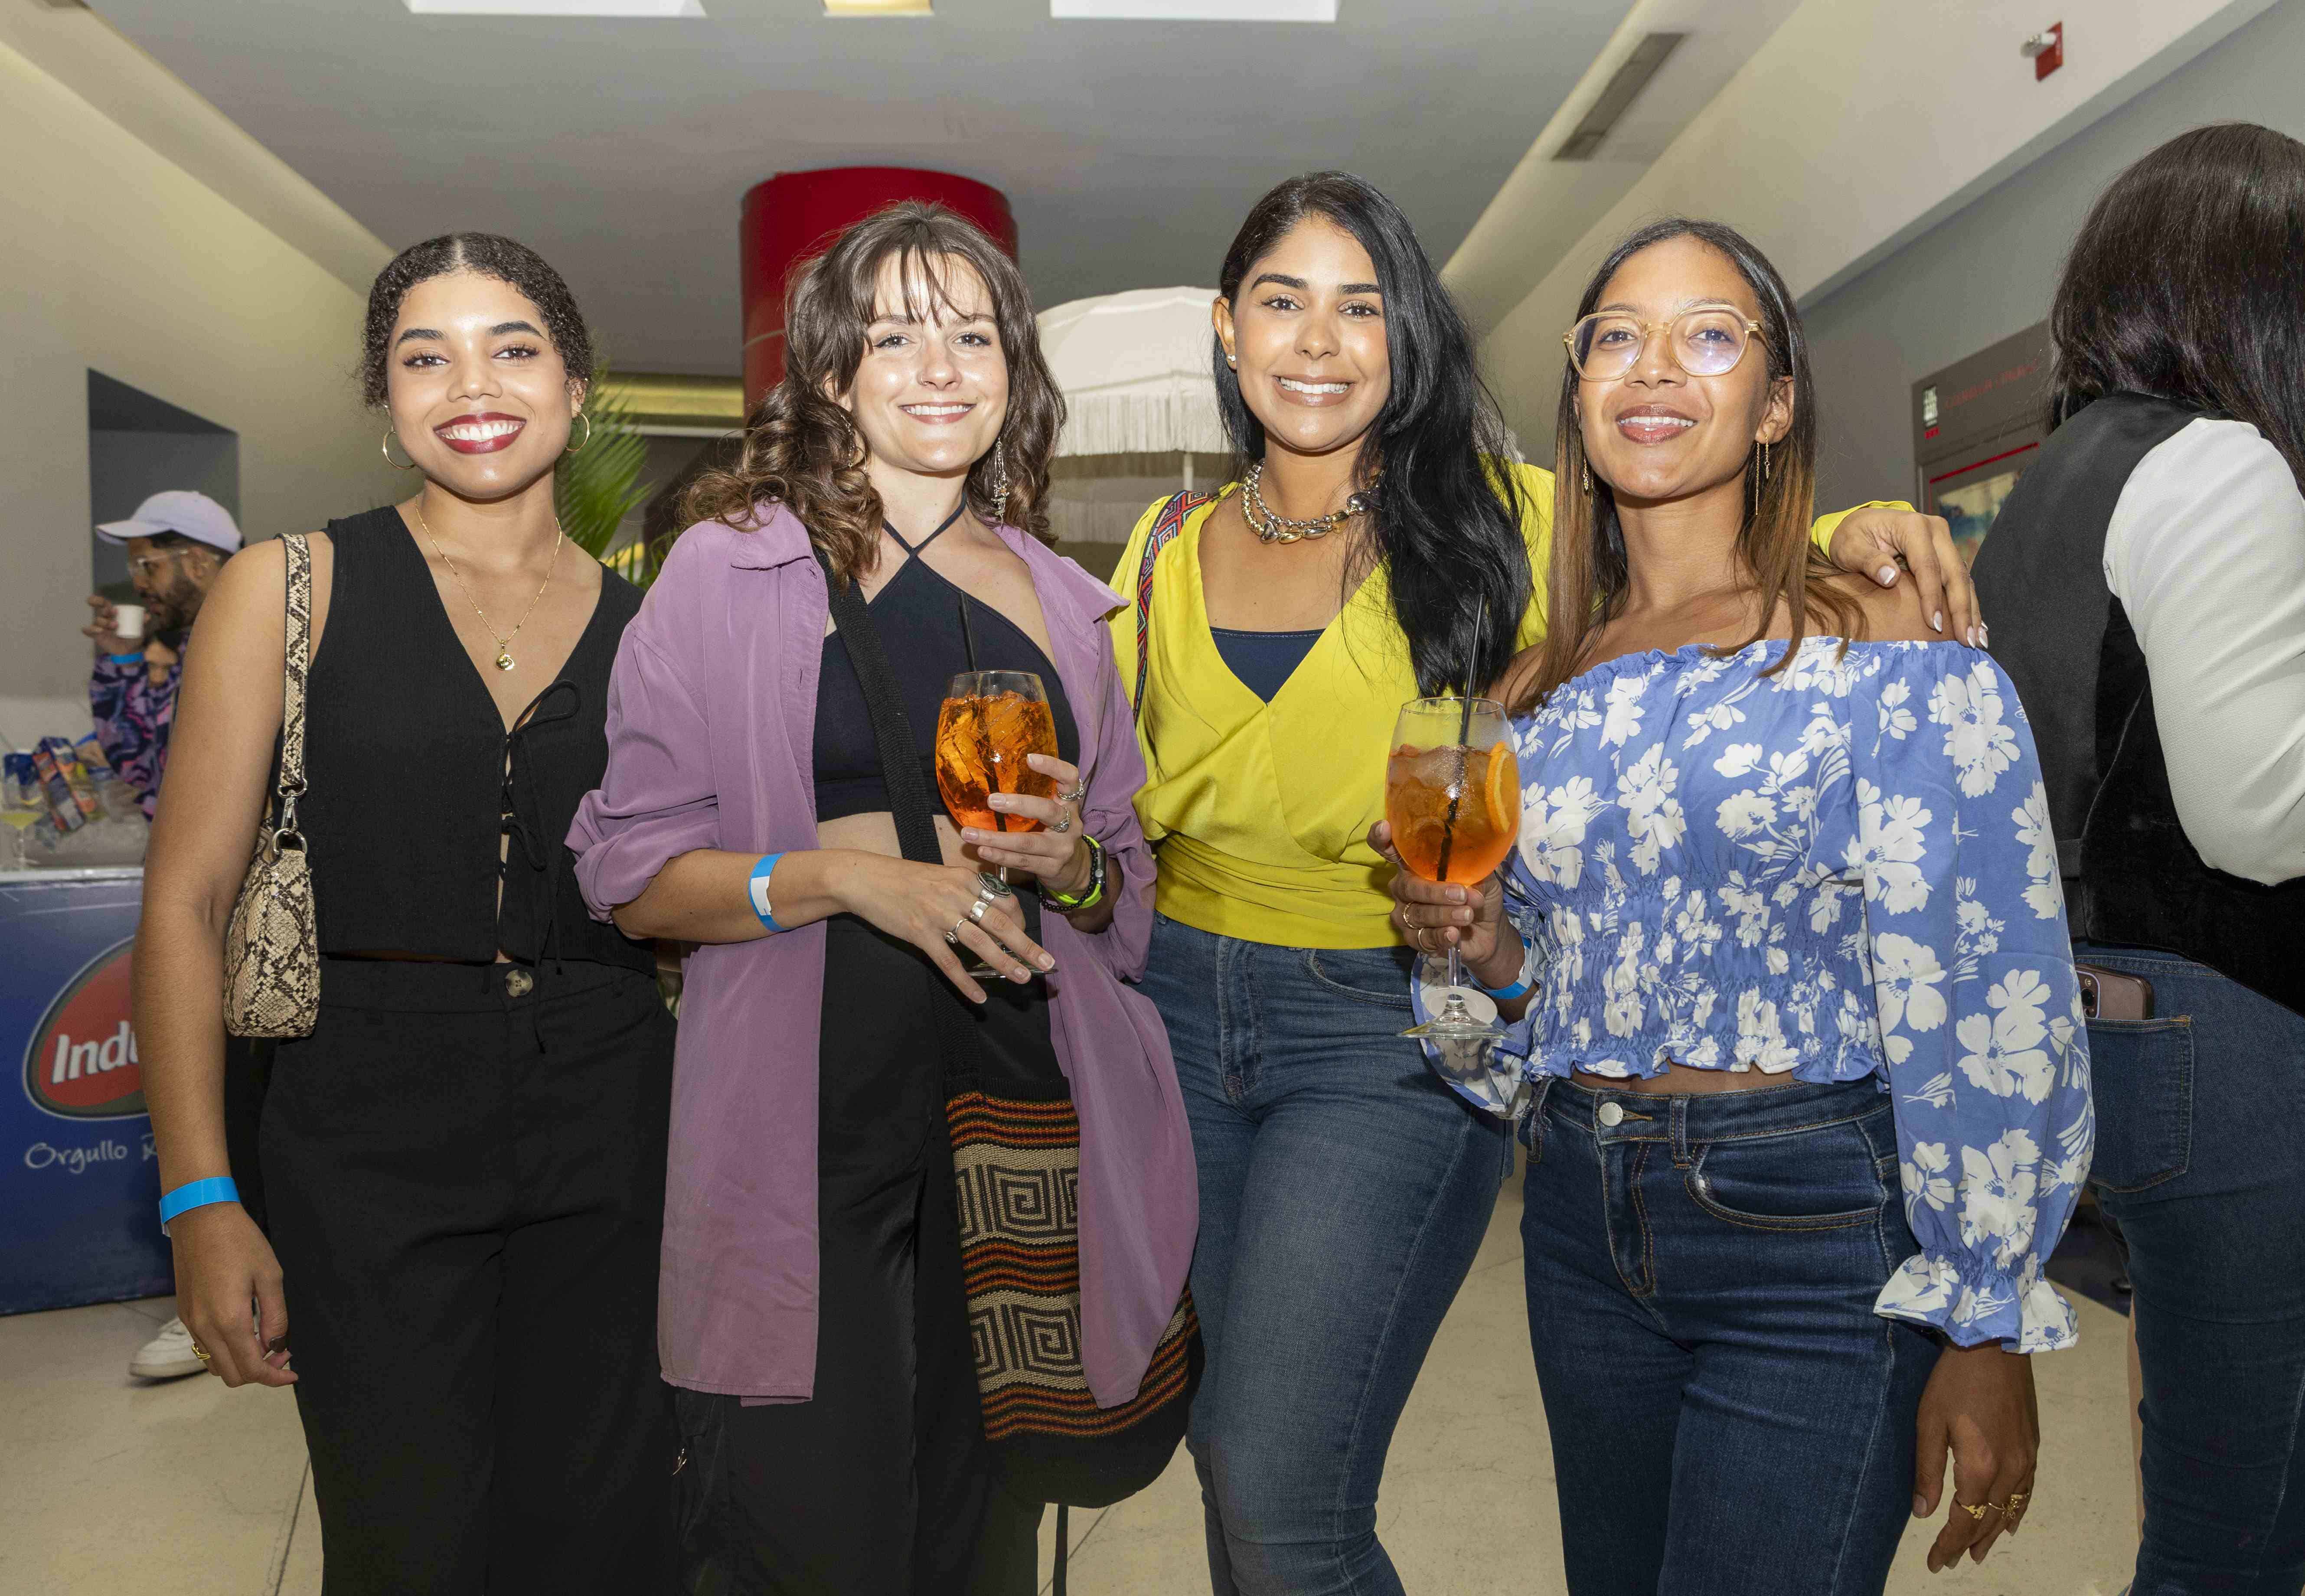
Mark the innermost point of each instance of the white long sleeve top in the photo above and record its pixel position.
(2207, 554)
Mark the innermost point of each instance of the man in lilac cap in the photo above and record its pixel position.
(176, 543)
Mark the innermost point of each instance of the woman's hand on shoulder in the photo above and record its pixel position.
(1874, 541)
(1980, 1406)
(1895, 614)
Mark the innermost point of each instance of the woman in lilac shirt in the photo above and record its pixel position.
(811, 1314)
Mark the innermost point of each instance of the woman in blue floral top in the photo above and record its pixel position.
(1811, 1095)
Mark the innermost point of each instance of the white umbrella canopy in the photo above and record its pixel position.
(1136, 374)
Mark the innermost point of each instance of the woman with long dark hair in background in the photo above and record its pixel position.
(464, 1161)
(2151, 565)
(818, 1325)
(1378, 546)
(1778, 882)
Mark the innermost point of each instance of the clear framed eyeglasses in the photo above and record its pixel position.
(1705, 342)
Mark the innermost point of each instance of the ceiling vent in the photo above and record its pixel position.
(1624, 89)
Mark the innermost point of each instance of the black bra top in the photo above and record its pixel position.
(919, 617)
(1263, 661)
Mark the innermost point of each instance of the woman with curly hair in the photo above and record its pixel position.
(881, 534)
(464, 1161)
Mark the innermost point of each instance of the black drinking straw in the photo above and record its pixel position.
(1464, 755)
(984, 752)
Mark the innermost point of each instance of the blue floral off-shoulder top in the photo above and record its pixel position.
(1843, 869)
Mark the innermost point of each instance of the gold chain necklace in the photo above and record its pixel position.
(504, 643)
(1272, 527)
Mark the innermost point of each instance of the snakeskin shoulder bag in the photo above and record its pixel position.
(272, 948)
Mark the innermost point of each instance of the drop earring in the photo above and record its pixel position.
(1000, 494)
(1585, 475)
(1765, 460)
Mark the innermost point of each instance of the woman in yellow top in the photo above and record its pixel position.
(1375, 551)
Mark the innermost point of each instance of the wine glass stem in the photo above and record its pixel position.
(1456, 968)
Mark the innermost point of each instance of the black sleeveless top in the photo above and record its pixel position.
(2068, 644)
(415, 782)
(919, 617)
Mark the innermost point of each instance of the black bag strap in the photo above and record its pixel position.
(909, 802)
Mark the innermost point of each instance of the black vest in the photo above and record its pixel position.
(2132, 876)
(416, 789)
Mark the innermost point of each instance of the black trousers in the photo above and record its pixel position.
(465, 1169)
(881, 1483)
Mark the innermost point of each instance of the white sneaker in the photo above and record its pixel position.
(168, 1355)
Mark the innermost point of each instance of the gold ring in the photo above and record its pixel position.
(1976, 1510)
(200, 1352)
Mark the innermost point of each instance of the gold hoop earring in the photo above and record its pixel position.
(580, 448)
(390, 433)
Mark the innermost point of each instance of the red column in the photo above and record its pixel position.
(795, 216)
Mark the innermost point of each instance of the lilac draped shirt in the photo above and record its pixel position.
(711, 726)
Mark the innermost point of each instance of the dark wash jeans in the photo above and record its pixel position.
(1728, 1414)
(2200, 1159)
(1344, 1191)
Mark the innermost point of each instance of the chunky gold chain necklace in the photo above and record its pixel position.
(504, 643)
(1270, 527)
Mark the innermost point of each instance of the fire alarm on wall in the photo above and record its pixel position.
(2047, 49)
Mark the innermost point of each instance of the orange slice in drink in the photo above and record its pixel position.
(1502, 789)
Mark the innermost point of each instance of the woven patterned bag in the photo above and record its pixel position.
(272, 948)
(1016, 1173)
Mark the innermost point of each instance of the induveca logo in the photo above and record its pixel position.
(81, 1061)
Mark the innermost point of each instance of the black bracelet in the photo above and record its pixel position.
(1092, 896)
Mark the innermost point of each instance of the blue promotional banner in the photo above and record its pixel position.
(79, 1183)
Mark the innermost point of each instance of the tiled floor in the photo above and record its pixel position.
(187, 1488)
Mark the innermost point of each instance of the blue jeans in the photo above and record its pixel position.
(1344, 1191)
(1728, 1414)
(2200, 1159)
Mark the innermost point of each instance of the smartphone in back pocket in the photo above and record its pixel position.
(2113, 995)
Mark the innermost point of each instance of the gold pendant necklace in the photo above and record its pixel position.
(503, 644)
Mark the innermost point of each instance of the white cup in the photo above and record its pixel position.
(128, 621)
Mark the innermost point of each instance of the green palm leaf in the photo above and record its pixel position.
(599, 485)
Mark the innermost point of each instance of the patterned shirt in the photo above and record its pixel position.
(1842, 870)
(132, 718)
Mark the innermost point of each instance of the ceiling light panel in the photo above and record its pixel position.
(556, 8)
(879, 8)
(1195, 10)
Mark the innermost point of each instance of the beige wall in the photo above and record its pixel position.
(115, 256)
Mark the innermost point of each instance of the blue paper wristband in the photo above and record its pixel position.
(196, 1193)
(757, 888)
(1519, 989)
(125, 659)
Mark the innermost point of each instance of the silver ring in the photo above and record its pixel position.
(1062, 823)
(1079, 791)
(976, 910)
(990, 888)
(953, 935)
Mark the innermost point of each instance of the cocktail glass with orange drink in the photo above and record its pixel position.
(989, 722)
(1453, 799)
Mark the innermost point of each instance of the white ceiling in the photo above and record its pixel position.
(621, 150)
